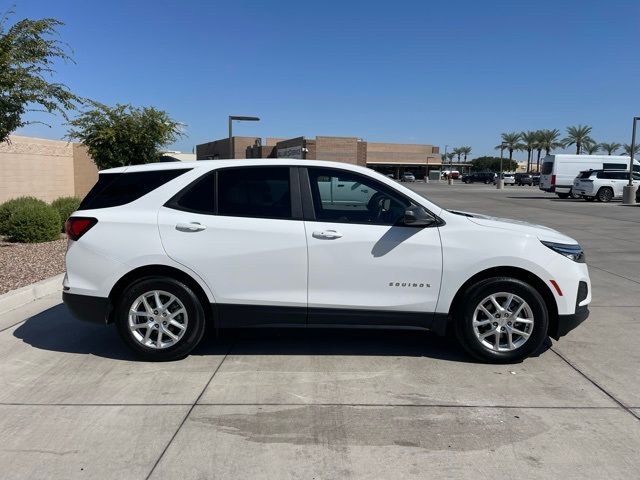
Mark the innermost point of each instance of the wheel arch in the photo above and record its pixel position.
(158, 271)
(513, 272)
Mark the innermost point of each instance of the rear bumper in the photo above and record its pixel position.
(87, 308)
(566, 323)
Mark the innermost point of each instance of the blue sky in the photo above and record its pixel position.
(440, 72)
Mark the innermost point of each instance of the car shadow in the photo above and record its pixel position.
(56, 330)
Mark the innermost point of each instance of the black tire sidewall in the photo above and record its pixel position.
(476, 293)
(195, 312)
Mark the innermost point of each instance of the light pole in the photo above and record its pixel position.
(629, 190)
(241, 118)
(449, 179)
(500, 181)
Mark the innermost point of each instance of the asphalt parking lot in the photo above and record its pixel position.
(340, 404)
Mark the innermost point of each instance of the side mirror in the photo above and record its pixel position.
(417, 217)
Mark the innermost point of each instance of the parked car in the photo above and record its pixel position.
(559, 171)
(602, 185)
(481, 177)
(509, 179)
(523, 179)
(455, 174)
(408, 177)
(160, 250)
(536, 178)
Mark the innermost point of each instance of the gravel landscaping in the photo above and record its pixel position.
(24, 263)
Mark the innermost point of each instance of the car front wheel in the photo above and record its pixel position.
(503, 320)
(160, 318)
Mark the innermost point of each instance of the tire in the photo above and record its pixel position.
(193, 319)
(605, 194)
(535, 310)
(589, 199)
(563, 196)
(575, 196)
(486, 182)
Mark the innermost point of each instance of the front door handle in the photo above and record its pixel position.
(190, 227)
(327, 234)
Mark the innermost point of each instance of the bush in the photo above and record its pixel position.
(65, 206)
(8, 208)
(34, 222)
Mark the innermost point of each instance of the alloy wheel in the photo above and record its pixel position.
(157, 319)
(503, 322)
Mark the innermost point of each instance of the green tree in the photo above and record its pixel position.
(578, 136)
(28, 52)
(529, 141)
(457, 152)
(610, 148)
(124, 135)
(591, 148)
(510, 142)
(466, 151)
(492, 164)
(626, 148)
(551, 140)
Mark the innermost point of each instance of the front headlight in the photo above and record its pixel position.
(572, 252)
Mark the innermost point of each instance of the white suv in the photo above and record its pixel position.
(602, 185)
(162, 250)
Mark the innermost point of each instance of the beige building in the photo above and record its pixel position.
(46, 169)
(388, 158)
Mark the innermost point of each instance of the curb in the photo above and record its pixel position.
(21, 296)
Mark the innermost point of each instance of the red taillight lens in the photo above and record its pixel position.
(553, 179)
(78, 226)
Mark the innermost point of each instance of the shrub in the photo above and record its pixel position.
(8, 208)
(65, 206)
(34, 222)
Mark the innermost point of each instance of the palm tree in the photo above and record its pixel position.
(591, 148)
(551, 140)
(457, 152)
(626, 148)
(610, 148)
(510, 142)
(528, 144)
(578, 136)
(465, 151)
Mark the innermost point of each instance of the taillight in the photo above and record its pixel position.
(553, 179)
(78, 226)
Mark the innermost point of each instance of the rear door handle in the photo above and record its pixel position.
(190, 227)
(327, 234)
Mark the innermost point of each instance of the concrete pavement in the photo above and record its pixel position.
(339, 404)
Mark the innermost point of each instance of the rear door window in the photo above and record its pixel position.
(547, 168)
(259, 192)
(199, 197)
(115, 189)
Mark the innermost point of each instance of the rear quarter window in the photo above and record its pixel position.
(115, 189)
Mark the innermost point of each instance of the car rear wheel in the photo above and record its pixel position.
(503, 320)
(605, 194)
(160, 318)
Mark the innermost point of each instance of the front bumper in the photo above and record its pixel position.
(87, 308)
(568, 322)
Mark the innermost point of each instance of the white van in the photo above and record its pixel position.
(559, 171)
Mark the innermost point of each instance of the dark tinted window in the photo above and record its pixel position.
(263, 192)
(197, 197)
(615, 166)
(547, 168)
(340, 196)
(114, 189)
(585, 174)
(603, 175)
